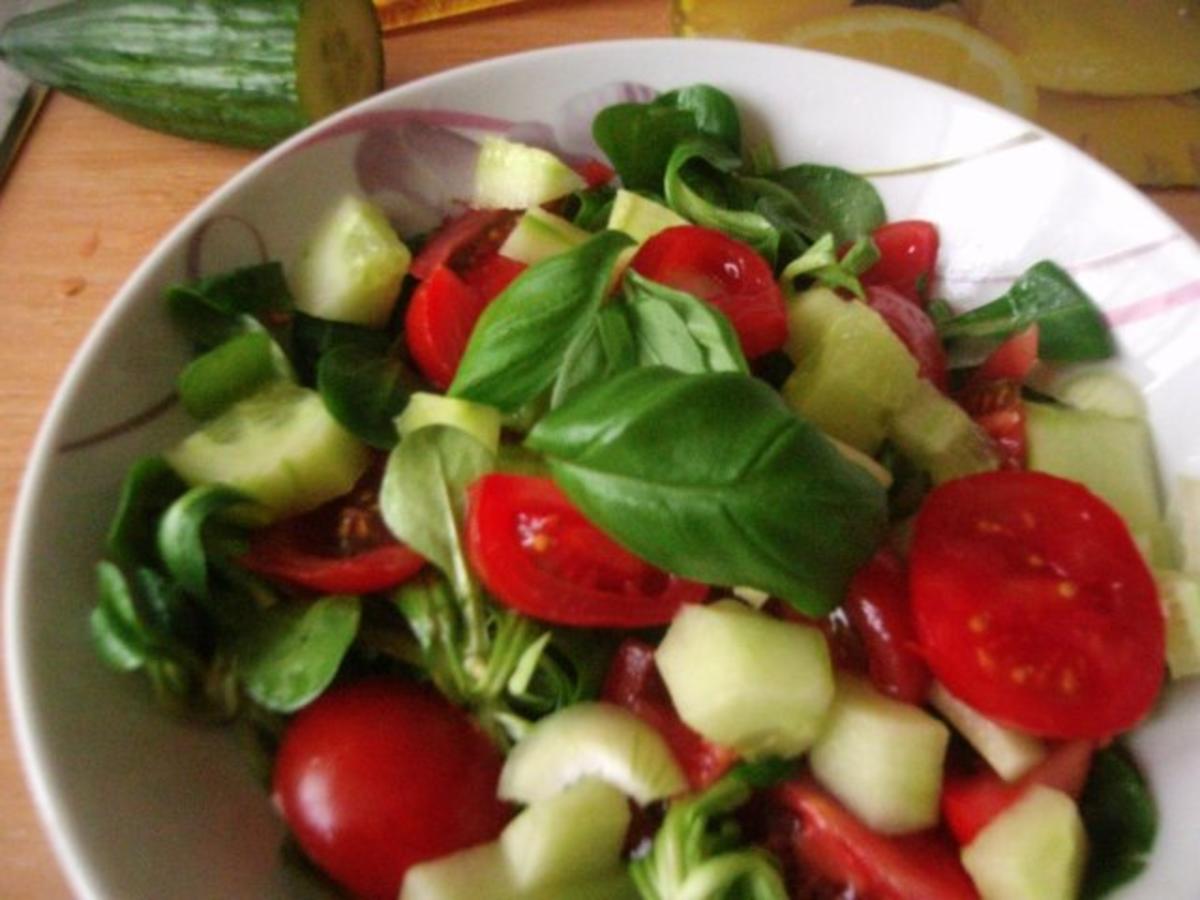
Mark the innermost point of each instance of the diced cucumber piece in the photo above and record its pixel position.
(1180, 595)
(280, 446)
(585, 740)
(1112, 457)
(640, 217)
(516, 176)
(1189, 514)
(352, 267)
(572, 836)
(938, 437)
(1095, 390)
(1009, 752)
(747, 680)
(538, 235)
(882, 758)
(852, 373)
(424, 409)
(1033, 850)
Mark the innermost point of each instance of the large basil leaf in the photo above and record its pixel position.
(518, 345)
(1121, 822)
(603, 348)
(700, 186)
(674, 329)
(1071, 327)
(712, 477)
(639, 138)
(292, 652)
(365, 389)
(833, 200)
(424, 494)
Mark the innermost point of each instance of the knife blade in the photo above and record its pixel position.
(20, 99)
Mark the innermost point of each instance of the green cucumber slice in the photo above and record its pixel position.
(938, 437)
(279, 446)
(1009, 752)
(572, 836)
(352, 267)
(1033, 850)
(339, 55)
(747, 680)
(516, 176)
(1180, 594)
(882, 758)
(591, 740)
(640, 217)
(424, 409)
(1093, 390)
(539, 235)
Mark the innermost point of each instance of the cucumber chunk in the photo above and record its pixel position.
(640, 217)
(1095, 390)
(424, 409)
(1034, 850)
(882, 758)
(517, 176)
(939, 437)
(852, 373)
(339, 55)
(280, 446)
(539, 235)
(591, 740)
(1113, 457)
(572, 836)
(747, 680)
(1009, 752)
(352, 267)
(1180, 594)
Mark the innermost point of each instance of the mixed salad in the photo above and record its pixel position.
(655, 531)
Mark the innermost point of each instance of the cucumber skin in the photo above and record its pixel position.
(204, 69)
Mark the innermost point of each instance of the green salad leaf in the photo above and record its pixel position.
(231, 371)
(150, 486)
(1120, 819)
(210, 310)
(674, 465)
(365, 389)
(832, 200)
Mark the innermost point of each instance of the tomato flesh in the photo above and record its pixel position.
(379, 775)
(999, 409)
(438, 324)
(1033, 604)
(634, 683)
(726, 273)
(908, 253)
(538, 554)
(462, 240)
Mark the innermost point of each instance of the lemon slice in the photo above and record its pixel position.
(1106, 47)
(936, 47)
(758, 20)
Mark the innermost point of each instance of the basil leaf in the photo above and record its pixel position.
(1120, 819)
(833, 200)
(520, 341)
(675, 329)
(365, 390)
(181, 533)
(150, 486)
(423, 496)
(231, 372)
(710, 476)
(293, 651)
(603, 348)
(700, 187)
(1071, 327)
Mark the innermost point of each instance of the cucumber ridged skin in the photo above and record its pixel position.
(212, 70)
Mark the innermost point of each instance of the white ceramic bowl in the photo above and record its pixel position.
(141, 806)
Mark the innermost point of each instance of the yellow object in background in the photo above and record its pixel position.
(1119, 78)
(399, 13)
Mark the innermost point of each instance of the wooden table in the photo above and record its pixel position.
(91, 196)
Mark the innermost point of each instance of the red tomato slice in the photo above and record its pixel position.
(634, 683)
(342, 547)
(594, 172)
(878, 608)
(969, 802)
(1033, 605)
(908, 253)
(491, 275)
(379, 775)
(461, 240)
(727, 273)
(440, 317)
(1013, 360)
(914, 328)
(998, 408)
(825, 845)
(540, 556)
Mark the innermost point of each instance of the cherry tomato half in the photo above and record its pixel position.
(634, 683)
(538, 554)
(342, 547)
(908, 253)
(462, 240)
(998, 408)
(1033, 604)
(376, 776)
(727, 273)
(438, 323)
(914, 328)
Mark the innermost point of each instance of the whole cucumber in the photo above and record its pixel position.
(241, 72)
